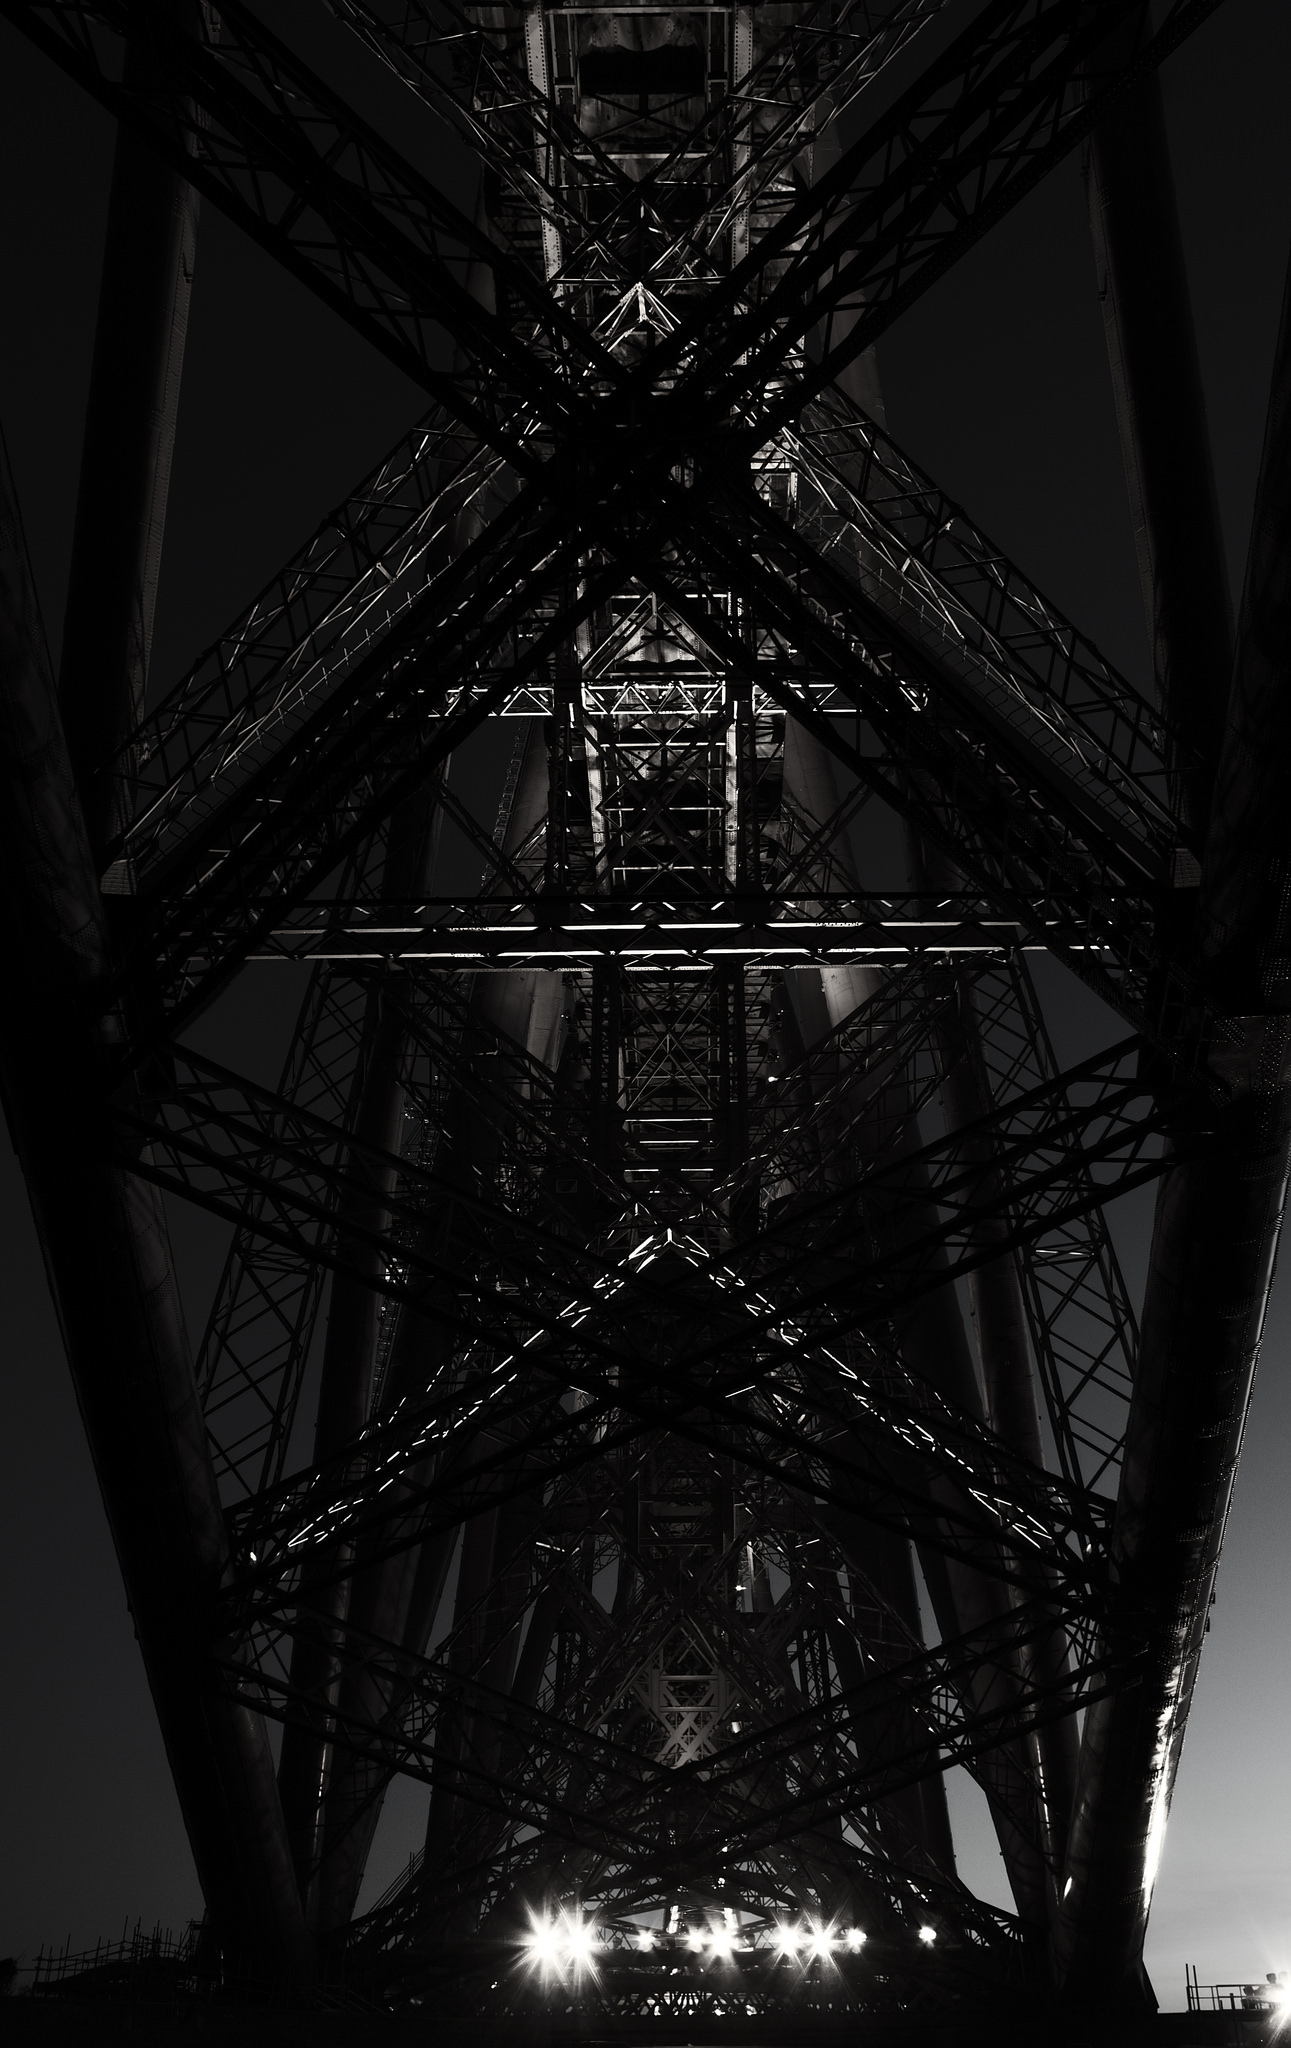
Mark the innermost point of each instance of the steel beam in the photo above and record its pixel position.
(1161, 411)
(1010, 1393)
(1218, 1222)
(125, 466)
(104, 1237)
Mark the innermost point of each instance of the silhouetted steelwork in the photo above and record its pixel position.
(672, 1389)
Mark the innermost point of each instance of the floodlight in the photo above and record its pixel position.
(580, 1942)
(544, 1944)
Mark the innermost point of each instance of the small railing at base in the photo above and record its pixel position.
(1272, 1996)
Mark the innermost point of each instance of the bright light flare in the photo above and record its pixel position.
(695, 1941)
(854, 1940)
(556, 1946)
(645, 1938)
(543, 1945)
(788, 1939)
(580, 1943)
(927, 1936)
(820, 1943)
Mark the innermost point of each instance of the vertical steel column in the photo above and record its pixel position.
(107, 1253)
(1219, 1215)
(1245, 914)
(1009, 1393)
(398, 1598)
(344, 1405)
(350, 1349)
(1219, 1211)
(1161, 411)
(934, 1345)
(125, 466)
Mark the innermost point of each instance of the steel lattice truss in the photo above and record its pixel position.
(672, 1390)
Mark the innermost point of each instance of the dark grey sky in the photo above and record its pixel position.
(997, 383)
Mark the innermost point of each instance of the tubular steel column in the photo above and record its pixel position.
(1161, 411)
(107, 1253)
(125, 463)
(1218, 1222)
(1009, 1391)
(1219, 1210)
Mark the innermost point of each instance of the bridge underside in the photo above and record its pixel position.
(673, 1392)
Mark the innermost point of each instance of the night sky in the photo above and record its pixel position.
(997, 383)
